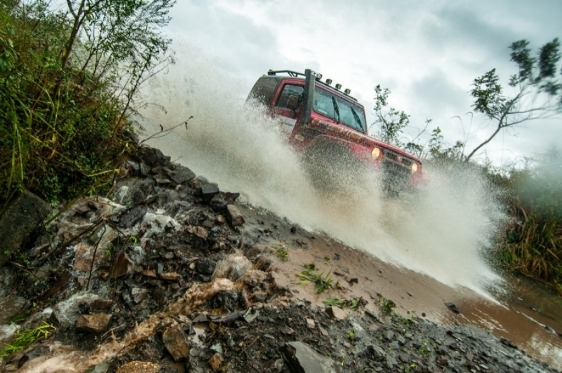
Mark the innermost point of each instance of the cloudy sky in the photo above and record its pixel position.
(426, 52)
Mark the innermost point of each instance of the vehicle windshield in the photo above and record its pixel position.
(338, 109)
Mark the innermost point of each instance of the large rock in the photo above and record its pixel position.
(18, 220)
(96, 323)
(233, 267)
(176, 342)
(236, 217)
(67, 312)
(182, 175)
(10, 306)
(304, 359)
(336, 313)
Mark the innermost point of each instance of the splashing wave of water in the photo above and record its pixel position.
(439, 232)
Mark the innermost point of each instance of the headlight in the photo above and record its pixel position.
(376, 153)
(414, 167)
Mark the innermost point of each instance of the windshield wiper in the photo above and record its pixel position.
(336, 109)
(357, 119)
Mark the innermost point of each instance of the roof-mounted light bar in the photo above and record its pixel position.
(317, 77)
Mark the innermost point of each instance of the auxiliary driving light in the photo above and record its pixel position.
(338, 86)
(328, 81)
(376, 153)
(414, 167)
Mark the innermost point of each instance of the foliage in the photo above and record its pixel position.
(532, 243)
(439, 152)
(354, 303)
(321, 282)
(67, 83)
(537, 91)
(386, 305)
(26, 338)
(391, 122)
(282, 253)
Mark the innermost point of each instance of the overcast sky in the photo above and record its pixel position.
(426, 52)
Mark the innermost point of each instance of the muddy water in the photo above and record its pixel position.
(527, 314)
(522, 312)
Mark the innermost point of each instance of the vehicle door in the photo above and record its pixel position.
(288, 105)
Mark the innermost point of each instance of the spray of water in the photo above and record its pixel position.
(439, 231)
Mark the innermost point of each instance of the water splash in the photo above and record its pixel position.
(439, 231)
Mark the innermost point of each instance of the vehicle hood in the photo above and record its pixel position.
(342, 131)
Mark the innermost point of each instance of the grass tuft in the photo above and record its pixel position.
(26, 338)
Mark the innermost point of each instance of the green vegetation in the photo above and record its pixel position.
(282, 253)
(386, 305)
(344, 303)
(424, 349)
(68, 81)
(321, 282)
(26, 338)
(531, 243)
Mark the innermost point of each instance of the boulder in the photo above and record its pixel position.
(18, 220)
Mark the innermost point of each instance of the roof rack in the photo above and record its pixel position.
(294, 74)
(317, 77)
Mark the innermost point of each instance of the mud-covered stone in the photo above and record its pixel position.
(303, 359)
(209, 190)
(139, 367)
(215, 361)
(336, 313)
(153, 157)
(10, 306)
(233, 267)
(133, 216)
(182, 175)
(235, 216)
(176, 342)
(96, 323)
(121, 267)
(18, 220)
(228, 300)
(206, 267)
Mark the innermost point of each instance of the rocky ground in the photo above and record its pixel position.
(166, 275)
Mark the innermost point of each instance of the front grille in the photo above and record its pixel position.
(397, 170)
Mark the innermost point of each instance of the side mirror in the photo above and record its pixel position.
(293, 102)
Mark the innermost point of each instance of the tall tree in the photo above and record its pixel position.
(537, 90)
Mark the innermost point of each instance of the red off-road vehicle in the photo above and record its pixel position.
(329, 127)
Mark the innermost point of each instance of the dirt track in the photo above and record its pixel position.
(179, 284)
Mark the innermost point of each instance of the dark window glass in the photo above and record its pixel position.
(288, 90)
(342, 111)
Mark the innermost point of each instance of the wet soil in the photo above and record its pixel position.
(189, 288)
